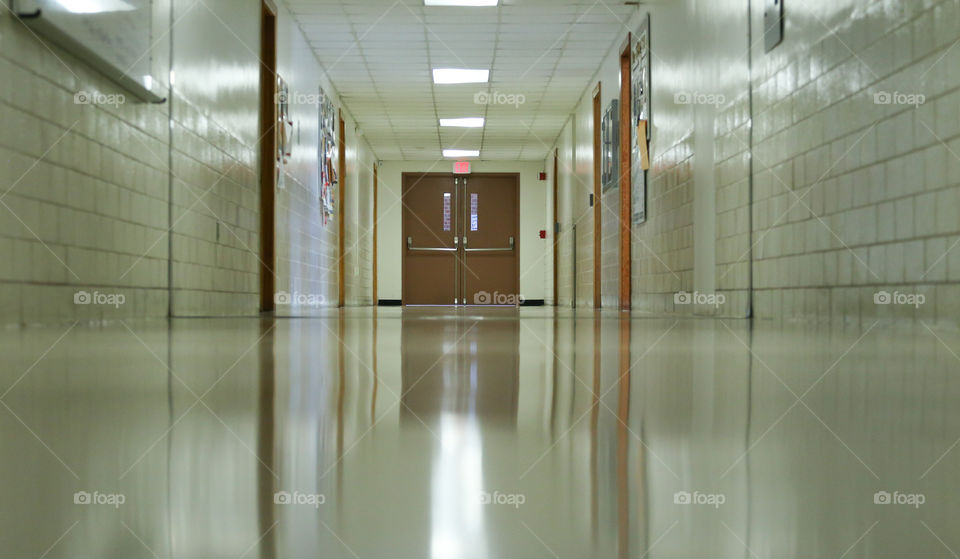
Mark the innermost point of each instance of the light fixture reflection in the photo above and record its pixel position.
(471, 122)
(471, 3)
(95, 6)
(457, 528)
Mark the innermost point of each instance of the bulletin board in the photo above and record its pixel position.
(113, 36)
(284, 132)
(610, 148)
(327, 156)
(640, 114)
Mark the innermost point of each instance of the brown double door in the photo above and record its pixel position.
(460, 241)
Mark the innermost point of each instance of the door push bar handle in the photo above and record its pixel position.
(507, 249)
(428, 249)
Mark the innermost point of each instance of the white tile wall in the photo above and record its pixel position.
(86, 187)
(83, 196)
(850, 197)
(855, 197)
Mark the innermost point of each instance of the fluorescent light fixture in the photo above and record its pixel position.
(472, 122)
(95, 6)
(461, 153)
(460, 75)
(460, 2)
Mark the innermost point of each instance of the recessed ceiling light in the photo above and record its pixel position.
(460, 2)
(461, 153)
(460, 75)
(472, 122)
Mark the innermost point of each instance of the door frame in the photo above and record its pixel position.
(341, 212)
(376, 167)
(555, 226)
(597, 193)
(268, 153)
(403, 225)
(626, 189)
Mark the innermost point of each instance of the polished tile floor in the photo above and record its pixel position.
(450, 434)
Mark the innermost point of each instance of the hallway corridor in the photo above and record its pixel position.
(479, 433)
(479, 279)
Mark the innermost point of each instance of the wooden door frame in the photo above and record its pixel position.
(375, 180)
(341, 212)
(403, 224)
(556, 227)
(268, 153)
(626, 210)
(597, 193)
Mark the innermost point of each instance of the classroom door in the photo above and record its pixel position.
(460, 241)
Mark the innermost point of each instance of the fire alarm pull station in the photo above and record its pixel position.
(461, 168)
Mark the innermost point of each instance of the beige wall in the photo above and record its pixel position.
(91, 191)
(849, 197)
(533, 202)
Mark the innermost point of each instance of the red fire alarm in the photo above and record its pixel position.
(543, 233)
(543, 176)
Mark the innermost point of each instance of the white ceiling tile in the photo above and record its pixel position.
(379, 55)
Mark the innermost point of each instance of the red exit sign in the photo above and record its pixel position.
(461, 167)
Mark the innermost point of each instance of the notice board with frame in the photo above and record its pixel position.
(114, 36)
(640, 119)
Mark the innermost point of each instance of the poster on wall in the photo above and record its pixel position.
(284, 132)
(640, 118)
(327, 155)
(610, 149)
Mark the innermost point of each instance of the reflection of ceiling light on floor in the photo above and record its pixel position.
(461, 153)
(460, 75)
(460, 2)
(95, 6)
(463, 122)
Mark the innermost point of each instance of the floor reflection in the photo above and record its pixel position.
(479, 433)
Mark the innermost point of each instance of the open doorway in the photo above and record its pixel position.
(268, 152)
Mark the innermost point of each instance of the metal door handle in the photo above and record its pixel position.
(507, 249)
(427, 249)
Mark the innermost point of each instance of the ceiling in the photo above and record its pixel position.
(379, 54)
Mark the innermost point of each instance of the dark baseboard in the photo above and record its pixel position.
(398, 303)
